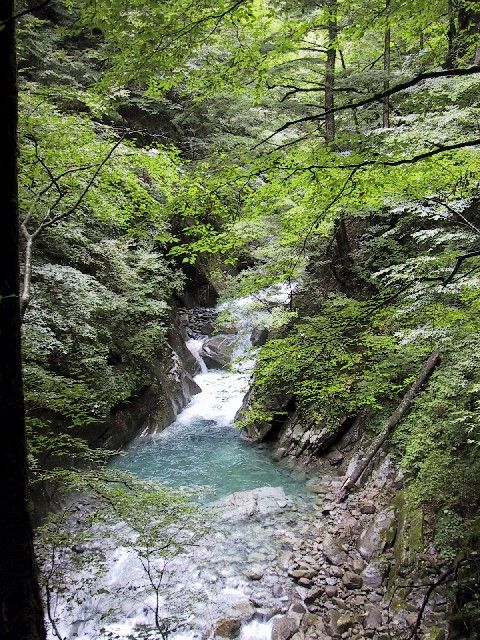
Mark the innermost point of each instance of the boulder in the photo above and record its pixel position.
(339, 623)
(284, 628)
(254, 572)
(352, 580)
(372, 575)
(217, 351)
(379, 533)
(227, 627)
(373, 618)
(333, 551)
(249, 504)
(259, 336)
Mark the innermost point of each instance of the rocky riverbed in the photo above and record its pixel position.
(268, 566)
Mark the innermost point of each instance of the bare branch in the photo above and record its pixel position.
(25, 12)
(377, 97)
(391, 163)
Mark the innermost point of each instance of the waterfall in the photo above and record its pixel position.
(194, 345)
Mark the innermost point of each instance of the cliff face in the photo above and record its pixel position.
(156, 405)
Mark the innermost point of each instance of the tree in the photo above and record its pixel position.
(21, 615)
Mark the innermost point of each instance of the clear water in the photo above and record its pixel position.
(202, 448)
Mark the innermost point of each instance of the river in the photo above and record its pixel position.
(231, 582)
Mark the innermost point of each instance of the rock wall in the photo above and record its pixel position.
(156, 406)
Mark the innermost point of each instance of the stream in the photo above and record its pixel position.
(232, 582)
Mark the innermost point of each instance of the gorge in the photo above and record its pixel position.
(246, 298)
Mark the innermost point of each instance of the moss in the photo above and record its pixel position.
(435, 633)
(408, 544)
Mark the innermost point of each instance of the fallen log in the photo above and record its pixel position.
(429, 365)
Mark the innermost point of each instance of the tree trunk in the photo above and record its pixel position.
(386, 67)
(21, 616)
(451, 36)
(394, 419)
(463, 29)
(330, 72)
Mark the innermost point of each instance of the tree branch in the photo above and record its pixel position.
(377, 97)
(391, 163)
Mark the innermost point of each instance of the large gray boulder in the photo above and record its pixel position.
(379, 534)
(217, 351)
(250, 504)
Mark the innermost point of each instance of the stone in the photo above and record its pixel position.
(372, 575)
(284, 559)
(331, 590)
(217, 351)
(298, 607)
(305, 582)
(335, 457)
(319, 488)
(301, 573)
(352, 580)
(227, 627)
(335, 571)
(358, 564)
(249, 504)
(259, 336)
(332, 549)
(284, 628)
(367, 508)
(345, 622)
(255, 572)
(339, 623)
(373, 618)
(379, 533)
(313, 594)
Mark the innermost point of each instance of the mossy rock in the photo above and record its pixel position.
(435, 633)
(409, 539)
(408, 543)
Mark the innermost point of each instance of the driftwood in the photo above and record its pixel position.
(394, 419)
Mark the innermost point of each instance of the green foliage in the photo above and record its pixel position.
(337, 363)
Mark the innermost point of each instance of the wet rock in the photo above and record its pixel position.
(284, 628)
(255, 572)
(259, 336)
(227, 627)
(378, 534)
(319, 488)
(284, 559)
(352, 580)
(217, 351)
(254, 503)
(331, 590)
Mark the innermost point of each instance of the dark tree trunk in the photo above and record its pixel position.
(386, 67)
(402, 409)
(21, 616)
(463, 31)
(330, 72)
